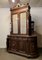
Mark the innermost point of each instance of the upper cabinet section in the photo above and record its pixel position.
(20, 19)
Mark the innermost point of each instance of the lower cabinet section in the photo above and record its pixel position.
(23, 45)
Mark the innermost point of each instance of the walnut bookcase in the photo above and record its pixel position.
(22, 39)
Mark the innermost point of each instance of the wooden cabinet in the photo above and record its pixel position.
(23, 45)
(22, 40)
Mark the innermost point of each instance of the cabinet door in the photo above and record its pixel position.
(32, 45)
(22, 45)
(15, 24)
(23, 23)
(15, 45)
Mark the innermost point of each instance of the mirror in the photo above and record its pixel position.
(23, 23)
(15, 24)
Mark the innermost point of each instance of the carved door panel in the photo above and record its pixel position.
(15, 44)
(28, 46)
(33, 46)
(22, 45)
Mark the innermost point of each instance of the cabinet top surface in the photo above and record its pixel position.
(33, 35)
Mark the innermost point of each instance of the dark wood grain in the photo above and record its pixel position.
(25, 45)
(22, 44)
